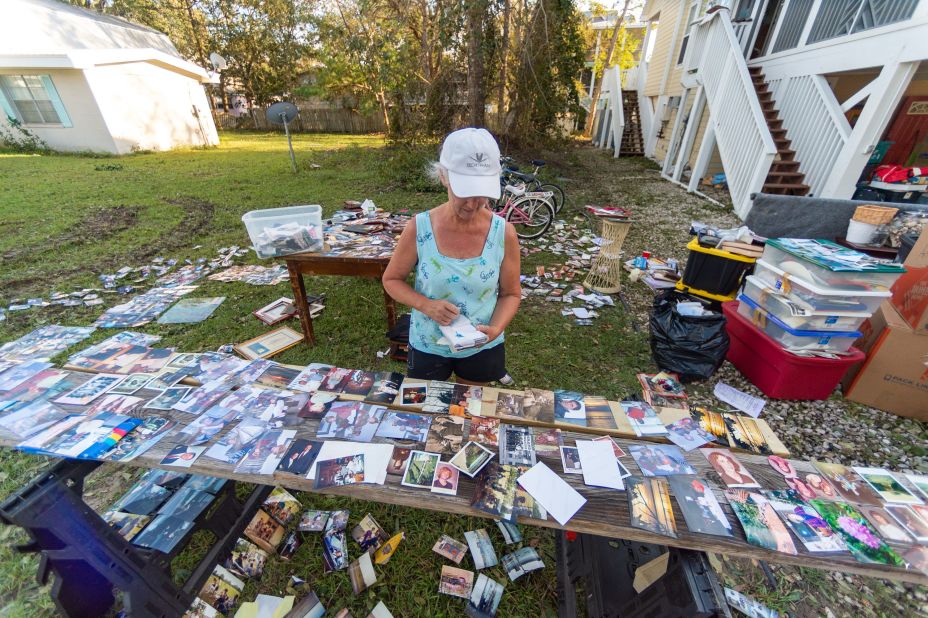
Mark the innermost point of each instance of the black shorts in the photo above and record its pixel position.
(484, 366)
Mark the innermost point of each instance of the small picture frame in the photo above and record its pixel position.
(269, 344)
(277, 311)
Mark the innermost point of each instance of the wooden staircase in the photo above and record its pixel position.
(784, 177)
(632, 142)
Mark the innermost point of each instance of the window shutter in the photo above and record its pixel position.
(56, 102)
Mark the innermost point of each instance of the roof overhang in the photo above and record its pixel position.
(89, 58)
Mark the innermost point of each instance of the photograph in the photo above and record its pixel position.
(32, 419)
(282, 506)
(313, 521)
(570, 460)
(264, 532)
(783, 466)
(730, 470)
(802, 488)
(277, 376)
(848, 483)
(510, 531)
(404, 426)
(712, 423)
(247, 559)
(182, 456)
(495, 491)
(484, 431)
(861, 539)
(143, 498)
(187, 504)
(132, 383)
(276, 311)
(126, 524)
(913, 523)
(190, 310)
(269, 344)
(168, 398)
(521, 561)
(397, 463)
(335, 551)
(687, 434)
(413, 394)
(760, 522)
(615, 445)
(221, 590)
(337, 521)
(237, 442)
(569, 407)
(644, 420)
(547, 443)
(90, 390)
(169, 479)
(357, 383)
(456, 582)
(310, 378)
(114, 404)
(300, 457)
(15, 375)
(744, 433)
(799, 516)
(450, 548)
(921, 483)
(481, 548)
(164, 533)
(660, 460)
(333, 379)
(140, 439)
(663, 383)
(516, 445)
(368, 534)
(649, 505)
(887, 486)
(471, 459)
(446, 479)
(445, 435)
(509, 405)
(420, 469)
(538, 405)
(701, 510)
(350, 420)
(289, 546)
(362, 574)
(386, 386)
(485, 597)
(820, 485)
(339, 472)
(884, 523)
(441, 397)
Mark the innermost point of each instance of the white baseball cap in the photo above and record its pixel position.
(471, 157)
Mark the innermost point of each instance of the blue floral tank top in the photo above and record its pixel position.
(470, 283)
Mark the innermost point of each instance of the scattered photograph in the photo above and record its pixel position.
(350, 420)
(310, 379)
(335, 551)
(340, 471)
(848, 483)
(164, 533)
(481, 549)
(887, 486)
(446, 398)
(397, 464)
(221, 590)
(300, 457)
(182, 456)
(516, 445)
(456, 582)
(664, 383)
(420, 469)
(15, 375)
(264, 532)
(509, 405)
(884, 523)
(713, 424)
(762, 526)
(801, 487)
(701, 511)
(282, 506)
(90, 390)
(569, 407)
(446, 434)
(820, 485)
(368, 534)
(191, 310)
(745, 433)
(450, 548)
(860, 538)
(132, 383)
(413, 394)
(921, 483)
(114, 404)
(538, 405)
(32, 419)
(783, 466)
(649, 505)
(446, 479)
(269, 344)
(495, 491)
(510, 531)
(570, 460)
(660, 460)
(168, 398)
(247, 559)
(266, 452)
(404, 426)
(732, 472)
(547, 443)
(276, 311)
(362, 574)
(470, 460)
(910, 520)
(485, 598)
(687, 434)
(485, 431)
(337, 522)
(521, 561)
(289, 546)
(187, 504)
(237, 442)
(313, 521)
(386, 386)
(169, 479)
(644, 420)
(812, 531)
(358, 383)
(126, 524)
(143, 498)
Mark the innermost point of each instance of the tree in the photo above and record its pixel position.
(598, 87)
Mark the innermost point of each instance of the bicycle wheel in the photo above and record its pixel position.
(559, 196)
(531, 217)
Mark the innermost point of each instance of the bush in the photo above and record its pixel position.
(406, 166)
(14, 136)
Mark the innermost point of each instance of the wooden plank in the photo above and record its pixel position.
(606, 513)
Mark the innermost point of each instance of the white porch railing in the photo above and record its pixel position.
(610, 123)
(714, 59)
(814, 124)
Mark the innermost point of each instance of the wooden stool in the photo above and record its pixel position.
(605, 273)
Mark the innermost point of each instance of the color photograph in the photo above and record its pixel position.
(247, 559)
(547, 443)
(221, 590)
(450, 548)
(485, 597)
(849, 485)
(910, 520)
(887, 486)
(859, 536)
(368, 534)
(485, 431)
(471, 459)
(762, 526)
(282, 506)
(729, 468)
(339, 472)
(313, 521)
(446, 434)
(649, 505)
(445, 480)
(456, 582)
(701, 510)
(481, 548)
(886, 525)
(660, 460)
(404, 426)
(521, 561)
(570, 460)
(799, 516)
(264, 532)
(398, 459)
(687, 434)
(420, 470)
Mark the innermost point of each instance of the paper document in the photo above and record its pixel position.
(600, 468)
(742, 401)
(461, 334)
(552, 492)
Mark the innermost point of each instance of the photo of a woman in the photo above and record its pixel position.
(732, 472)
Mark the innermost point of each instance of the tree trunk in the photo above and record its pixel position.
(597, 89)
(382, 97)
(476, 81)
(504, 52)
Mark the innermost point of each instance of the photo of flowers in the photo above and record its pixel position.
(862, 541)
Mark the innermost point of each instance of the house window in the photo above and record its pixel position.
(691, 17)
(32, 99)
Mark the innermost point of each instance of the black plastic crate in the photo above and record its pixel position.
(714, 272)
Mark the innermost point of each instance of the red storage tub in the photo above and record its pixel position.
(776, 372)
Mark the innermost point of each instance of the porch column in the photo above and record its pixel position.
(706, 149)
(677, 123)
(689, 135)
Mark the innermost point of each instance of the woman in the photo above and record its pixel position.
(730, 469)
(466, 261)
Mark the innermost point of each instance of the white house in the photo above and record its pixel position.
(84, 81)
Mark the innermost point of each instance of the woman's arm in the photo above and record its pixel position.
(510, 290)
(401, 264)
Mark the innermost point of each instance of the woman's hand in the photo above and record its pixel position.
(490, 331)
(441, 311)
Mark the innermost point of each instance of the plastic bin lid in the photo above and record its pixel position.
(694, 245)
(809, 310)
(798, 333)
(832, 256)
(824, 291)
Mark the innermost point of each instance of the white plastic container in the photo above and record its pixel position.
(798, 314)
(829, 265)
(792, 339)
(860, 233)
(282, 231)
(820, 298)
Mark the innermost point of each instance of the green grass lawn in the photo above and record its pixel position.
(67, 219)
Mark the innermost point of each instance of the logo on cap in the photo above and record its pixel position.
(479, 160)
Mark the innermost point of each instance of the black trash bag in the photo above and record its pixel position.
(693, 347)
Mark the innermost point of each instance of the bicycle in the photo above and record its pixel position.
(531, 180)
(530, 212)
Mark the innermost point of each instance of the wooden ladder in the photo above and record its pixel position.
(632, 142)
(784, 177)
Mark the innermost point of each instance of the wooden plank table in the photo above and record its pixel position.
(606, 512)
(302, 264)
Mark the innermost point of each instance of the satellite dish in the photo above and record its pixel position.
(218, 62)
(284, 113)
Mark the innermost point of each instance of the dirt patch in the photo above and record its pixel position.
(198, 214)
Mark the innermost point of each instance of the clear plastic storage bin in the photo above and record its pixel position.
(827, 264)
(799, 314)
(794, 339)
(820, 298)
(282, 231)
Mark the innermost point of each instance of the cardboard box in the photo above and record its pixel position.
(910, 292)
(894, 378)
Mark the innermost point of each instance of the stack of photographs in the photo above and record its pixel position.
(313, 521)
(849, 485)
